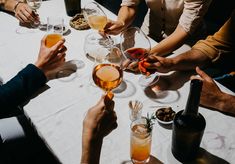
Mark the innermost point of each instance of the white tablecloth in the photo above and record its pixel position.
(57, 112)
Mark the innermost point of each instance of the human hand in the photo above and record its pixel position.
(155, 63)
(211, 94)
(51, 58)
(131, 66)
(25, 14)
(149, 65)
(100, 120)
(114, 27)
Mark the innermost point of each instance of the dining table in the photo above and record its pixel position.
(57, 111)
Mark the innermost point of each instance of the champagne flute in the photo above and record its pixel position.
(107, 73)
(135, 45)
(34, 5)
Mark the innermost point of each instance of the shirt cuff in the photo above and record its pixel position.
(130, 2)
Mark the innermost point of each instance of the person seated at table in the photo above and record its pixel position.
(215, 51)
(212, 96)
(19, 89)
(169, 22)
(15, 129)
(100, 120)
(21, 10)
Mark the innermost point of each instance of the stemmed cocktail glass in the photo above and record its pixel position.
(107, 72)
(135, 45)
(95, 16)
(96, 19)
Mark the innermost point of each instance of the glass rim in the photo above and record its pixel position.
(122, 38)
(135, 122)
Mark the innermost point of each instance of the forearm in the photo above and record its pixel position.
(10, 5)
(225, 103)
(21, 87)
(126, 15)
(189, 60)
(171, 43)
(91, 152)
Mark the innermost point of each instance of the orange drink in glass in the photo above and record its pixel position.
(107, 76)
(52, 39)
(140, 141)
(95, 16)
(55, 26)
(97, 22)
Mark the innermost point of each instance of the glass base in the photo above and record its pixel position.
(125, 89)
(140, 162)
(97, 47)
(69, 71)
(25, 30)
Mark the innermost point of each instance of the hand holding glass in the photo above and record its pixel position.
(135, 45)
(34, 5)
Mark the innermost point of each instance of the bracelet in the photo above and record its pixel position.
(16, 5)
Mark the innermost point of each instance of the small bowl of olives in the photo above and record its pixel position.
(165, 115)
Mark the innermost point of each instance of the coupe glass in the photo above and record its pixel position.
(34, 5)
(135, 45)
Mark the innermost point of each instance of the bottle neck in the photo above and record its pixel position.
(193, 98)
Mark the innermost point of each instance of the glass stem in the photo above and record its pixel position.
(109, 94)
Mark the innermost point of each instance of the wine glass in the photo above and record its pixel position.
(96, 18)
(95, 47)
(135, 45)
(34, 5)
(107, 73)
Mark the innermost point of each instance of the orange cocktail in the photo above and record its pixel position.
(140, 145)
(52, 39)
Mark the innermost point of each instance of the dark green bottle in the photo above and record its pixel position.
(188, 126)
(72, 7)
